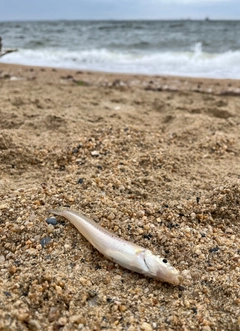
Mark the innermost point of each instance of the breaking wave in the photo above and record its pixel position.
(194, 63)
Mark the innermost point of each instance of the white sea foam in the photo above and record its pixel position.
(195, 63)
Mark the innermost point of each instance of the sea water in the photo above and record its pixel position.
(184, 48)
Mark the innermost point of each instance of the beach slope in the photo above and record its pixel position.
(154, 160)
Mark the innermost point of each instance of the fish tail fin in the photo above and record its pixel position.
(56, 211)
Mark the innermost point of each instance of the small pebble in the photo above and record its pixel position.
(75, 150)
(12, 269)
(2, 259)
(93, 301)
(83, 281)
(76, 318)
(23, 316)
(193, 216)
(50, 228)
(34, 325)
(44, 241)
(95, 153)
(3, 206)
(51, 220)
(53, 314)
(62, 321)
(146, 327)
(206, 328)
(80, 181)
(214, 249)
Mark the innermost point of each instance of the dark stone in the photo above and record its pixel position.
(80, 181)
(75, 150)
(62, 167)
(194, 310)
(51, 220)
(44, 241)
(110, 300)
(147, 236)
(214, 249)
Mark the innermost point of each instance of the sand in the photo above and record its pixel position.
(154, 160)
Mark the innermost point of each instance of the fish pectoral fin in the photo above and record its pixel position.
(131, 261)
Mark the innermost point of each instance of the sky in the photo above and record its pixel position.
(13, 10)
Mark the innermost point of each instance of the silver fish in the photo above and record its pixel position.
(125, 253)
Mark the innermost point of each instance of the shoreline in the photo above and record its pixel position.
(219, 86)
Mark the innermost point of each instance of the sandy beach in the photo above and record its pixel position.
(156, 160)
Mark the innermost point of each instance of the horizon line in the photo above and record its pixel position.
(207, 19)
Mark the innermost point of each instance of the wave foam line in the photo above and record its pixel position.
(195, 63)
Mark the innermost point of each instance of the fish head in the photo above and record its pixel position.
(160, 269)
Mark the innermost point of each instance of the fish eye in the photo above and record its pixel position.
(164, 260)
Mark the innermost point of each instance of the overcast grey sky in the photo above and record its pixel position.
(118, 9)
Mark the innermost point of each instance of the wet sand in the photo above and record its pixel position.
(154, 160)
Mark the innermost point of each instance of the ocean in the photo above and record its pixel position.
(182, 48)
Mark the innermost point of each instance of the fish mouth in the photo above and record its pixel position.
(171, 276)
(175, 277)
